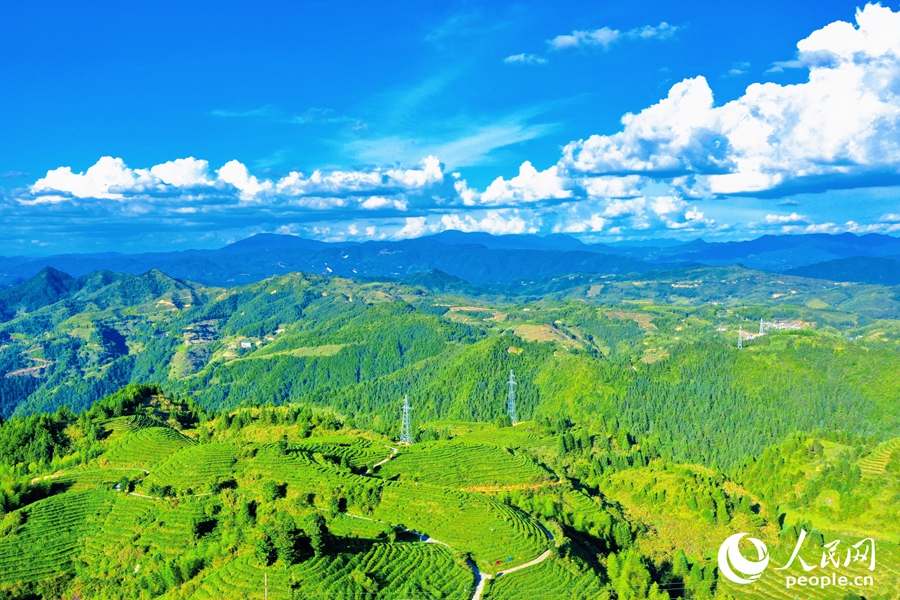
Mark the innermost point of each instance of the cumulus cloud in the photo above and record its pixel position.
(497, 222)
(791, 218)
(844, 122)
(838, 129)
(104, 179)
(530, 185)
(182, 172)
(111, 179)
(413, 227)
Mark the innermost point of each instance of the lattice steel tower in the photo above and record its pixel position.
(761, 326)
(511, 398)
(405, 431)
(740, 336)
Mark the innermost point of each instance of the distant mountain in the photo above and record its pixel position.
(273, 242)
(98, 290)
(439, 282)
(476, 257)
(47, 287)
(860, 269)
(556, 241)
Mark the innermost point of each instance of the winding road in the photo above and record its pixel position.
(381, 462)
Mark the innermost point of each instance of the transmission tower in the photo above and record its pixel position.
(405, 432)
(740, 336)
(761, 326)
(511, 399)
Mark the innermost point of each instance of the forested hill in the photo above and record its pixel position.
(654, 354)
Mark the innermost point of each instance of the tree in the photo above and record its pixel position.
(318, 534)
(264, 549)
(287, 539)
(271, 491)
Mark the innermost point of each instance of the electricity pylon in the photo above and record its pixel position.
(405, 432)
(511, 399)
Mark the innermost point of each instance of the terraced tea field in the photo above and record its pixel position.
(552, 578)
(400, 570)
(469, 522)
(463, 465)
(359, 452)
(196, 466)
(50, 536)
(146, 447)
(875, 463)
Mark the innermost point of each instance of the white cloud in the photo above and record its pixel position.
(822, 228)
(529, 185)
(843, 122)
(593, 224)
(854, 227)
(890, 218)
(468, 196)
(661, 138)
(779, 219)
(525, 59)
(497, 222)
(104, 179)
(620, 208)
(663, 31)
(605, 36)
(666, 205)
(182, 172)
(611, 187)
(738, 68)
(111, 178)
(379, 202)
(236, 173)
(414, 227)
(430, 174)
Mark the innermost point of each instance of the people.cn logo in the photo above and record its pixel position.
(735, 567)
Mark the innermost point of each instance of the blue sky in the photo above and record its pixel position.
(135, 126)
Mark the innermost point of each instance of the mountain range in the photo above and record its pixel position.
(482, 258)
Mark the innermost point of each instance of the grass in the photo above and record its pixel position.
(545, 333)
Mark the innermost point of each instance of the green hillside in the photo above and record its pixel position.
(256, 436)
